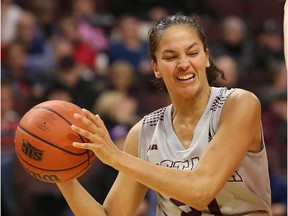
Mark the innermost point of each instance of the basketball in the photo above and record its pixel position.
(43, 142)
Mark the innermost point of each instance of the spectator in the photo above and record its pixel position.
(62, 48)
(82, 52)
(269, 44)
(40, 54)
(275, 133)
(9, 122)
(46, 16)
(89, 31)
(127, 45)
(276, 82)
(122, 78)
(10, 14)
(279, 195)
(117, 109)
(235, 42)
(60, 93)
(269, 50)
(230, 68)
(15, 71)
(154, 14)
(68, 76)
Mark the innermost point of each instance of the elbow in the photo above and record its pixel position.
(201, 200)
(202, 203)
(203, 191)
(201, 206)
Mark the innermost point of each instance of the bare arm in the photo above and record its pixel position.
(123, 199)
(126, 193)
(79, 200)
(239, 132)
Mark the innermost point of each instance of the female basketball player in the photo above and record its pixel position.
(204, 154)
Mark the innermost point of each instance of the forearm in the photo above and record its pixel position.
(79, 200)
(167, 181)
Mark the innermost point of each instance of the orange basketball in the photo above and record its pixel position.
(43, 142)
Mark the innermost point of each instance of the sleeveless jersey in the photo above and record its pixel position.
(247, 192)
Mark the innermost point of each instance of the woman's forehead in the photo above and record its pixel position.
(178, 29)
(178, 35)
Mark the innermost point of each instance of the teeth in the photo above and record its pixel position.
(186, 77)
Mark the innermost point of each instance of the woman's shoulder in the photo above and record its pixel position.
(242, 95)
(241, 99)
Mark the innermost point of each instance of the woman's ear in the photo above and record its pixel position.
(207, 58)
(155, 69)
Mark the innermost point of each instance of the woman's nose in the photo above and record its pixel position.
(183, 63)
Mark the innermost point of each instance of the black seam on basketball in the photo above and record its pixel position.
(40, 107)
(51, 144)
(88, 156)
(51, 170)
(85, 168)
(88, 165)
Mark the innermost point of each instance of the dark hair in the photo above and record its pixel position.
(66, 62)
(155, 34)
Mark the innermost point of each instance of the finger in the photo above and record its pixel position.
(97, 121)
(92, 117)
(83, 145)
(90, 136)
(100, 121)
(93, 128)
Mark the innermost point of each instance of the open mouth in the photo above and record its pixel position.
(186, 77)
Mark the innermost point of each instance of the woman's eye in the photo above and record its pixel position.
(193, 54)
(169, 58)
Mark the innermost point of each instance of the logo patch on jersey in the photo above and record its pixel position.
(152, 147)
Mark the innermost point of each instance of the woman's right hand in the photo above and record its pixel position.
(100, 141)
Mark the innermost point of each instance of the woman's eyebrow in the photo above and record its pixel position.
(192, 45)
(173, 51)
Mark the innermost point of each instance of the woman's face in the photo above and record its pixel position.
(181, 61)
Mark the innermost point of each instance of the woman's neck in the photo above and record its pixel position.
(191, 108)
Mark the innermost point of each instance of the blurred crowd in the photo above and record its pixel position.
(94, 53)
